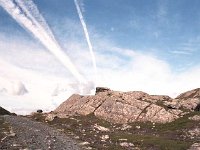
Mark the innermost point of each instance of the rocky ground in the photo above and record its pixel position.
(109, 120)
(22, 133)
(95, 133)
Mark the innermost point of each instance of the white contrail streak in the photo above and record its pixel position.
(86, 35)
(40, 30)
(31, 11)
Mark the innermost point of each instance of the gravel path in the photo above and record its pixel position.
(30, 135)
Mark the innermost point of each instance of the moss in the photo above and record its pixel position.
(161, 103)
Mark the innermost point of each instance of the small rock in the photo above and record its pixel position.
(125, 127)
(88, 147)
(137, 127)
(122, 139)
(126, 144)
(84, 143)
(50, 117)
(105, 137)
(16, 145)
(12, 134)
(101, 128)
(195, 118)
(76, 137)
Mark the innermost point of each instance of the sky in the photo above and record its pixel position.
(151, 46)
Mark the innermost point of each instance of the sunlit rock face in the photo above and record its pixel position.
(120, 107)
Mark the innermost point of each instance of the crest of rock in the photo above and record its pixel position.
(190, 94)
(119, 107)
(188, 100)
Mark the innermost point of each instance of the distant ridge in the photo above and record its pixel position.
(195, 93)
(4, 111)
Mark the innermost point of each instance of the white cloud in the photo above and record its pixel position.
(118, 68)
(40, 86)
(28, 65)
(181, 52)
(48, 83)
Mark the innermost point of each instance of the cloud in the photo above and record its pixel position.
(87, 37)
(181, 52)
(48, 83)
(118, 68)
(28, 16)
(30, 90)
(26, 66)
(129, 69)
(12, 87)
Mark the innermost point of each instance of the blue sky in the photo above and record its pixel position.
(167, 28)
(139, 45)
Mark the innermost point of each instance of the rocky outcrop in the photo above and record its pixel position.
(119, 107)
(4, 112)
(189, 104)
(102, 89)
(188, 100)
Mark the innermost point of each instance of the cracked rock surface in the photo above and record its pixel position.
(120, 107)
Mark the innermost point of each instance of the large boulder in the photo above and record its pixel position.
(102, 89)
(119, 107)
